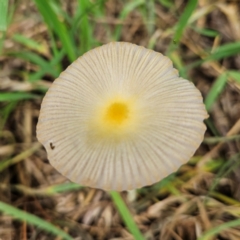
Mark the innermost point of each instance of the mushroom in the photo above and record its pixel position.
(120, 118)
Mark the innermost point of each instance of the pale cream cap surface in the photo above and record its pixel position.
(120, 118)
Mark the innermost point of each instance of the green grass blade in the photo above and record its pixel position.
(32, 57)
(205, 31)
(2, 38)
(58, 9)
(129, 7)
(3, 14)
(177, 61)
(226, 168)
(29, 43)
(167, 3)
(223, 51)
(4, 114)
(57, 26)
(85, 27)
(235, 75)
(33, 77)
(10, 12)
(211, 126)
(151, 16)
(54, 67)
(65, 187)
(45, 66)
(182, 23)
(16, 96)
(96, 8)
(33, 220)
(216, 230)
(215, 91)
(127, 218)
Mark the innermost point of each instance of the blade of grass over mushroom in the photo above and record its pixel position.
(33, 220)
(216, 230)
(126, 216)
(129, 7)
(215, 91)
(58, 27)
(3, 14)
(181, 25)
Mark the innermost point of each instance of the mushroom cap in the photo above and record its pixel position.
(120, 118)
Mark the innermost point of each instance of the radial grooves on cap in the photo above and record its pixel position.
(148, 157)
(138, 178)
(167, 128)
(145, 167)
(150, 162)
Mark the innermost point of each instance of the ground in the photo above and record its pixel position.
(200, 201)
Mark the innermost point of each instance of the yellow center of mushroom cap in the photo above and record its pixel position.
(117, 113)
(116, 118)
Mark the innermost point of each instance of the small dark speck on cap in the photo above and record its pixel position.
(52, 146)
